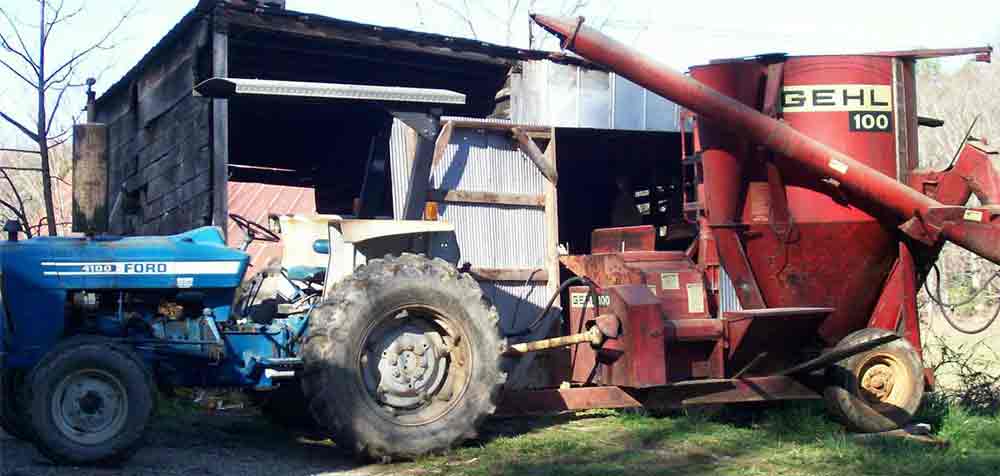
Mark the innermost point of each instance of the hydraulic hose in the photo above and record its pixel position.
(592, 294)
(936, 298)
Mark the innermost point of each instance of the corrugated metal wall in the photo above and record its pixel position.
(489, 235)
(402, 140)
(495, 236)
(728, 301)
(570, 96)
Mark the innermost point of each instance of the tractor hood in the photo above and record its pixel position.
(195, 259)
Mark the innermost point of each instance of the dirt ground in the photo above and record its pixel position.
(218, 445)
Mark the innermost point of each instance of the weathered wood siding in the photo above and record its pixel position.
(159, 142)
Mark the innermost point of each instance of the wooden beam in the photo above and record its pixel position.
(510, 274)
(443, 139)
(90, 178)
(551, 222)
(540, 132)
(220, 131)
(528, 146)
(490, 198)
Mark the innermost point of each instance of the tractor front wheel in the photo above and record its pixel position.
(403, 359)
(878, 390)
(91, 402)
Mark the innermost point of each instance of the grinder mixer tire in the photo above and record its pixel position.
(878, 390)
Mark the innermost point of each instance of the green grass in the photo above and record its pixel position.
(796, 439)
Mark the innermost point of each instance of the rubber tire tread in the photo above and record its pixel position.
(95, 351)
(331, 381)
(13, 411)
(850, 408)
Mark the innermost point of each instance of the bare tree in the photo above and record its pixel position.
(29, 62)
(502, 20)
(16, 207)
(464, 14)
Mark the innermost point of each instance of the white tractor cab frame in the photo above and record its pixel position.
(319, 251)
(338, 246)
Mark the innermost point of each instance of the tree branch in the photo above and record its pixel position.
(55, 107)
(23, 215)
(19, 151)
(66, 76)
(20, 169)
(24, 52)
(61, 137)
(58, 18)
(17, 73)
(19, 126)
(95, 46)
(461, 16)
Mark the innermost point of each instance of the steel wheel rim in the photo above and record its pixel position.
(883, 379)
(89, 406)
(439, 376)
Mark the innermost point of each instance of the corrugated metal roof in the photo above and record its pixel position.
(256, 202)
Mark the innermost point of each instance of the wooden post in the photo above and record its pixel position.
(528, 146)
(428, 127)
(90, 178)
(552, 220)
(220, 130)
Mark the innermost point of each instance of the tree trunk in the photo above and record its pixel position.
(50, 213)
(43, 132)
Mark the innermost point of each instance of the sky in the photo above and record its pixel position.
(678, 33)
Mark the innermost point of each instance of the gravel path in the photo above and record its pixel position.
(205, 445)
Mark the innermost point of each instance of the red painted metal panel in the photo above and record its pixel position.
(699, 392)
(256, 202)
(896, 309)
(780, 333)
(642, 336)
(565, 399)
(620, 240)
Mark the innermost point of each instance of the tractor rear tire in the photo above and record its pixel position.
(91, 402)
(403, 359)
(878, 390)
(13, 408)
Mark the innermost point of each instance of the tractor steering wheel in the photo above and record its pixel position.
(253, 231)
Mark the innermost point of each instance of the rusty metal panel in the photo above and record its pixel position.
(565, 399)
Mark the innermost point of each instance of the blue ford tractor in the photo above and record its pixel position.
(395, 356)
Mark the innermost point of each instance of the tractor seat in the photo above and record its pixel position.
(309, 274)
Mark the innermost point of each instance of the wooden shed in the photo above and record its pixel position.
(172, 155)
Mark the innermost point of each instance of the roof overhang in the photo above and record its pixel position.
(224, 88)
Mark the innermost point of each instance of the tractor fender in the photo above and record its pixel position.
(358, 231)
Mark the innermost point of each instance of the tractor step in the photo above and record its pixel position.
(282, 363)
